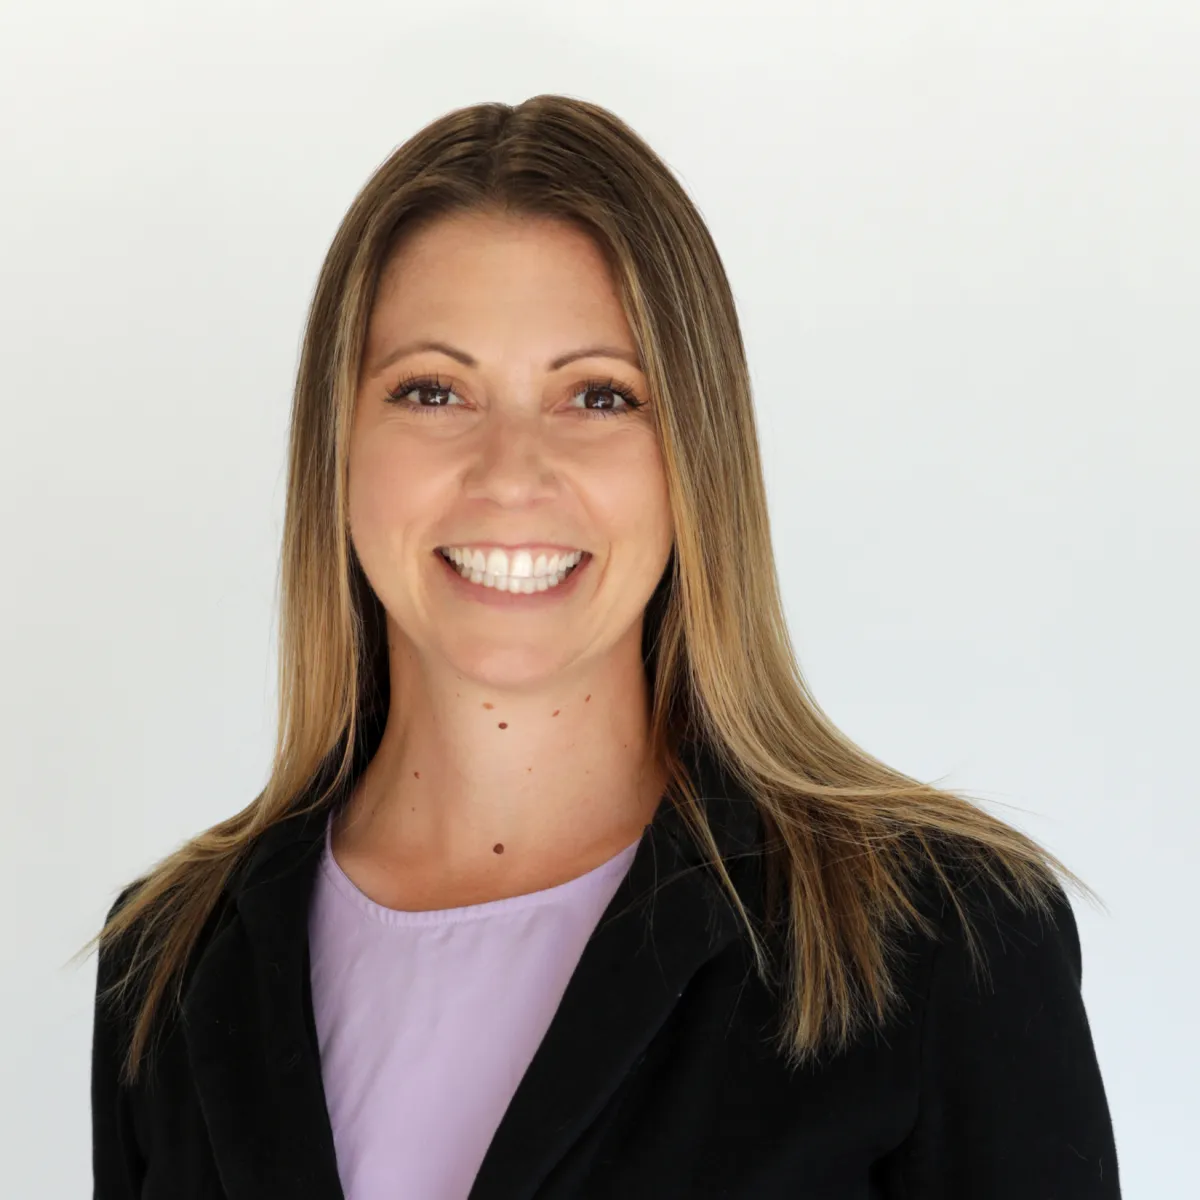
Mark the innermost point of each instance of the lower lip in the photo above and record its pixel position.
(506, 599)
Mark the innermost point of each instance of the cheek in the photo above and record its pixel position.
(389, 495)
(631, 489)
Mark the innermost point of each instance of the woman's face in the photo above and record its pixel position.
(515, 432)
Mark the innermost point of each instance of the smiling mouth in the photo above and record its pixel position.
(517, 584)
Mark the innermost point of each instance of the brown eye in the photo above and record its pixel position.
(617, 399)
(422, 388)
(614, 400)
(420, 393)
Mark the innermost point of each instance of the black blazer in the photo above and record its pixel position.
(656, 1077)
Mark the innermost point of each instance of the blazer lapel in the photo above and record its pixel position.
(252, 1041)
(667, 918)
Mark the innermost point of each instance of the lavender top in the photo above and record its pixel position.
(426, 1021)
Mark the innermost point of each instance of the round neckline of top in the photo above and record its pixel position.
(349, 890)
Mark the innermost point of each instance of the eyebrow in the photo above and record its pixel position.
(463, 357)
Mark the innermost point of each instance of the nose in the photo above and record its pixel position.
(513, 454)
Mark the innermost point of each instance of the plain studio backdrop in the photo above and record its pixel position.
(963, 242)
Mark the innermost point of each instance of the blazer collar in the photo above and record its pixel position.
(251, 1035)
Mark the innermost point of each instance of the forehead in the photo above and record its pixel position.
(487, 237)
(489, 268)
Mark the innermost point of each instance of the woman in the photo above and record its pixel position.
(562, 885)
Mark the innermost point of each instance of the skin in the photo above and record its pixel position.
(515, 754)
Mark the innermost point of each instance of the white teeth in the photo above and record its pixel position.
(523, 574)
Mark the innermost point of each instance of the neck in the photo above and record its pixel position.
(558, 771)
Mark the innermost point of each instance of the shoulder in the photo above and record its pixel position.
(128, 958)
(126, 894)
(998, 955)
(120, 972)
(115, 950)
(991, 933)
(1011, 1100)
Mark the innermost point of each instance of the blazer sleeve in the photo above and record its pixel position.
(118, 1167)
(1012, 1105)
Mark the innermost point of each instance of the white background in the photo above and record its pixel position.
(963, 240)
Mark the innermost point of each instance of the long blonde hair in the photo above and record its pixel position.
(841, 824)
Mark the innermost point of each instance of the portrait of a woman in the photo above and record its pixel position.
(562, 884)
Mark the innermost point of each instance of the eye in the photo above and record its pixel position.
(614, 393)
(617, 399)
(419, 384)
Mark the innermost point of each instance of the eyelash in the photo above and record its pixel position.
(434, 383)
